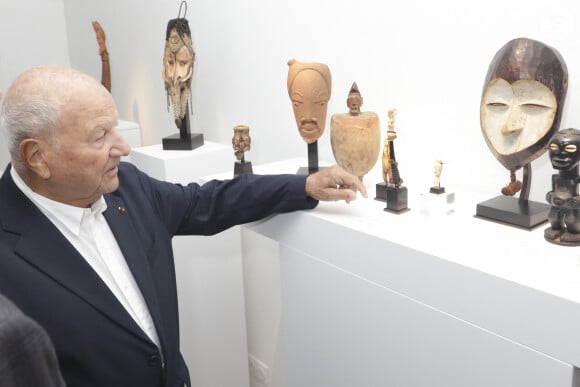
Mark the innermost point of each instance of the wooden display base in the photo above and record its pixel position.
(178, 142)
(312, 161)
(511, 211)
(437, 190)
(437, 204)
(396, 200)
(381, 192)
(241, 167)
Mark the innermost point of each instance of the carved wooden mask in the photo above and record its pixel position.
(522, 101)
(178, 61)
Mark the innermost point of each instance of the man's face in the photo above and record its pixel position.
(516, 116)
(309, 96)
(87, 149)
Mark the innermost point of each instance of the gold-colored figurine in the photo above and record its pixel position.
(391, 189)
(390, 166)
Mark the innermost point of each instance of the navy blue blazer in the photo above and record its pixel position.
(97, 342)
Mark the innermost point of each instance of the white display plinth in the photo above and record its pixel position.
(433, 204)
(376, 299)
(184, 166)
(209, 274)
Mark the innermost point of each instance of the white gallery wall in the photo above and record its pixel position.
(31, 33)
(426, 59)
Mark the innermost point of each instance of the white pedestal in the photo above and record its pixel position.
(433, 204)
(376, 299)
(209, 274)
(184, 167)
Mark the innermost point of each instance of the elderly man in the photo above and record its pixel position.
(86, 239)
(27, 356)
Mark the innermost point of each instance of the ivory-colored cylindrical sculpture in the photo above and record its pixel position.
(355, 137)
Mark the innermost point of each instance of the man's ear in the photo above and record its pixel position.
(32, 153)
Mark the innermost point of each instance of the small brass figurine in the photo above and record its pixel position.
(564, 217)
(391, 189)
(241, 143)
(105, 66)
(390, 166)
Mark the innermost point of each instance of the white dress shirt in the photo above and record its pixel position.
(88, 231)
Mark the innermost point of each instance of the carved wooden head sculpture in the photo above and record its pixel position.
(565, 152)
(241, 142)
(178, 61)
(522, 101)
(354, 100)
(309, 86)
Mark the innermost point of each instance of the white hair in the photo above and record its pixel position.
(28, 116)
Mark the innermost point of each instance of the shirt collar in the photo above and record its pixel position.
(69, 216)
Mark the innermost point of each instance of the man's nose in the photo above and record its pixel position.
(120, 146)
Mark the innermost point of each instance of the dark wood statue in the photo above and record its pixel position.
(564, 218)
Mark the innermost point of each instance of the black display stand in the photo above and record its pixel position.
(241, 167)
(396, 200)
(381, 192)
(513, 211)
(518, 212)
(185, 140)
(312, 160)
(437, 190)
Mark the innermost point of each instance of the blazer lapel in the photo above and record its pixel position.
(120, 222)
(42, 245)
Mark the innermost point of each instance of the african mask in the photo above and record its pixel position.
(178, 61)
(522, 101)
(309, 86)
